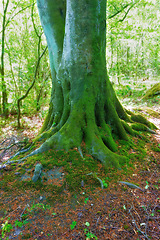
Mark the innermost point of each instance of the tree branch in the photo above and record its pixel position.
(118, 11)
(31, 86)
(11, 67)
(34, 26)
(21, 10)
(126, 13)
(122, 9)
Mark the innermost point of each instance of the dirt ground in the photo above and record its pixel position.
(115, 212)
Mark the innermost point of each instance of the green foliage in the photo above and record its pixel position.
(73, 225)
(86, 200)
(38, 206)
(20, 224)
(89, 234)
(54, 214)
(147, 185)
(21, 56)
(104, 183)
(6, 227)
(133, 39)
(132, 44)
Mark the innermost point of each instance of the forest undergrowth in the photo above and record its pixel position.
(76, 198)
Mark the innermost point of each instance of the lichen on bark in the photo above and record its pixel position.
(83, 106)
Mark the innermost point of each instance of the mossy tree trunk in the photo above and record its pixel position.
(83, 104)
(2, 67)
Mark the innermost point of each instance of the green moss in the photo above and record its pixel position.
(154, 90)
(139, 127)
(156, 148)
(127, 127)
(76, 169)
(140, 119)
(151, 112)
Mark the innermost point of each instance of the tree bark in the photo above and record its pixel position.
(3, 83)
(83, 106)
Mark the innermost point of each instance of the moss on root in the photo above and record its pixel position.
(153, 91)
(140, 119)
(76, 167)
(97, 133)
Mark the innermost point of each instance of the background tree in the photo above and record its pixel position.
(83, 104)
(20, 57)
(39, 56)
(136, 38)
(3, 83)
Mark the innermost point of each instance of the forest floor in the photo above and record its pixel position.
(79, 208)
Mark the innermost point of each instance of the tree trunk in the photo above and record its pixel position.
(83, 104)
(3, 84)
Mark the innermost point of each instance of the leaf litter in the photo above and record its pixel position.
(114, 212)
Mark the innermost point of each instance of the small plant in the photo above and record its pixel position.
(24, 216)
(86, 200)
(89, 235)
(73, 224)
(147, 186)
(6, 227)
(104, 183)
(20, 224)
(38, 205)
(144, 207)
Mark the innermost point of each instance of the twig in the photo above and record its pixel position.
(6, 148)
(80, 151)
(97, 221)
(134, 222)
(21, 151)
(4, 141)
(24, 210)
(95, 175)
(131, 185)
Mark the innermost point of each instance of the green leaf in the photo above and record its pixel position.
(73, 224)
(104, 183)
(19, 224)
(87, 224)
(147, 186)
(124, 207)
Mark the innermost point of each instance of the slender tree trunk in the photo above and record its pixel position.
(83, 104)
(3, 84)
(118, 68)
(112, 50)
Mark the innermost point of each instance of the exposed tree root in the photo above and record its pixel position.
(153, 91)
(96, 132)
